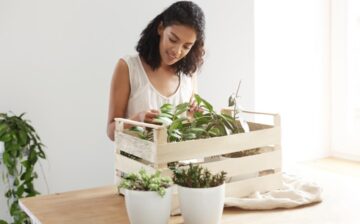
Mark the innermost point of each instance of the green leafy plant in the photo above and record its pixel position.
(23, 149)
(196, 176)
(143, 181)
(205, 124)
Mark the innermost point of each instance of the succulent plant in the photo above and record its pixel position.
(196, 176)
(143, 181)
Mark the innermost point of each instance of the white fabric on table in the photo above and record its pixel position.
(295, 192)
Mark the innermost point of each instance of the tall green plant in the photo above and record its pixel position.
(23, 149)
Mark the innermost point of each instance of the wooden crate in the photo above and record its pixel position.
(259, 172)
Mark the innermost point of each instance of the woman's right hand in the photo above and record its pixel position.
(146, 116)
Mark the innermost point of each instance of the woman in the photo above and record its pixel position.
(170, 51)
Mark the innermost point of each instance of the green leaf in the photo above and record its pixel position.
(42, 154)
(14, 208)
(181, 108)
(229, 123)
(8, 161)
(137, 129)
(202, 120)
(208, 105)
(21, 115)
(3, 128)
(23, 139)
(222, 130)
(16, 182)
(166, 108)
(197, 130)
(163, 120)
(168, 115)
(214, 132)
(189, 136)
(20, 191)
(175, 136)
(176, 124)
(6, 138)
(32, 157)
(8, 194)
(197, 99)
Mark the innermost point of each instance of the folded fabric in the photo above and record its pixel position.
(295, 192)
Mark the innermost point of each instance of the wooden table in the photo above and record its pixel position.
(339, 180)
(97, 205)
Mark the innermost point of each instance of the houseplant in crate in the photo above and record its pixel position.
(22, 151)
(201, 194)
(147, 197)
(205, 124)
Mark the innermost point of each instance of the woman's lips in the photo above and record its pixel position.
(171, 57)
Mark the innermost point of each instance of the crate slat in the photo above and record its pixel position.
(136, 146)
(128, 165)
(246, 164)
(261, 184)
(217, 146)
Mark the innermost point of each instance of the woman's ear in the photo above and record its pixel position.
(160, 28)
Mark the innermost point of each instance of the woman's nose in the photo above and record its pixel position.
(176, 51)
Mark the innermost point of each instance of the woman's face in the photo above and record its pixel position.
(175, 42)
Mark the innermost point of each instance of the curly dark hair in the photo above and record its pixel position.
(180, 13)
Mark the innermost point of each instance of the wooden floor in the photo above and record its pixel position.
(340, 181)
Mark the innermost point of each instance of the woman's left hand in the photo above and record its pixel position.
(193, 107)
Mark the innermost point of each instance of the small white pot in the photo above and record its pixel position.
(202, 205)
(148, 206)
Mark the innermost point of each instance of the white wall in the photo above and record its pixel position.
(292, 72)
(345, 82)
(57, 59)
(230, 54)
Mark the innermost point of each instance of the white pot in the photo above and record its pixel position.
(148, 206)
(202, 205)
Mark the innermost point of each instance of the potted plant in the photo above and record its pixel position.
(201, 194)
(22, 149)
(147, 197)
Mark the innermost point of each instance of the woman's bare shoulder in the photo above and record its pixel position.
(121, 70)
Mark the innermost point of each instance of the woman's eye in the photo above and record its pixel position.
(172, 40)
(187, 47)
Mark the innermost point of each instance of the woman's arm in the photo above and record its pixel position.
(119, 96)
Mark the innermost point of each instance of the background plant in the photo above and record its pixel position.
(23, 149)
(143, 181)
(196, 176)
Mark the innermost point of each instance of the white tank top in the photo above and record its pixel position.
(144, 96)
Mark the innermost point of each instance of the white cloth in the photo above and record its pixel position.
(296, 192)
(144, 96)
